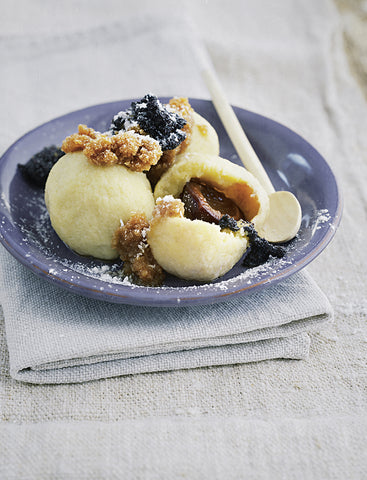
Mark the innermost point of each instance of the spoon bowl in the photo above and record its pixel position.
(285, 215)
(284, 218)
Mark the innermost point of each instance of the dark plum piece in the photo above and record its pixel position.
(204, 202)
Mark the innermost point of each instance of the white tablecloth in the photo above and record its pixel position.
(276, 419)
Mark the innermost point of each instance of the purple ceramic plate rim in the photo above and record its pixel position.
(305, 172)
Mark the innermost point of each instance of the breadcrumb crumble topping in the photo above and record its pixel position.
(128, 144)
(130, 240)
(168, 206)
(133, 150)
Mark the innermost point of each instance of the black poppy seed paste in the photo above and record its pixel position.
(260, 249)
(155, 119)
(38, 167)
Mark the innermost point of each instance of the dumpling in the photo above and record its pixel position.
(204, 138)
(87, 203)
(192, 249)
(233, 181)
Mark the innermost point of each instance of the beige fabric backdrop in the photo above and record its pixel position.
(276, 419)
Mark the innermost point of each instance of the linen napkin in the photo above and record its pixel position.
(55, 336)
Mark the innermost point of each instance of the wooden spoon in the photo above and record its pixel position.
(284, 217)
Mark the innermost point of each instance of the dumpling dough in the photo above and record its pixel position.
(87, 202)
(194, 249)
(234, 181)
(204, 138)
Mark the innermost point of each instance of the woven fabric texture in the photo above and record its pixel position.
(279, 418)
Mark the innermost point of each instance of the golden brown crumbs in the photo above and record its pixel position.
(100, 151)
(137, 152)
(78, 141)
(131, 243)
(168, 207)
(84, 130)
(74, 143)
(132, 148)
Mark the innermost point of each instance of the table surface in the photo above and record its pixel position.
(303, 64)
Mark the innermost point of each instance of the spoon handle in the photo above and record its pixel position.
(234, 129)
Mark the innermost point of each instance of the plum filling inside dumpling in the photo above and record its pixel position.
(229, 181)
(192, 249)
(204, 202)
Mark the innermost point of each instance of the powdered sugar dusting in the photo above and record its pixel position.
(39, 236)
(323, 216)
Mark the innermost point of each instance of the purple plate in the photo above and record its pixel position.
(291, 162)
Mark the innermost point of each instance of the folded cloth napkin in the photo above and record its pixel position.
(55, 336)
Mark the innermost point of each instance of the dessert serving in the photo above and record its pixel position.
(153, 191)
